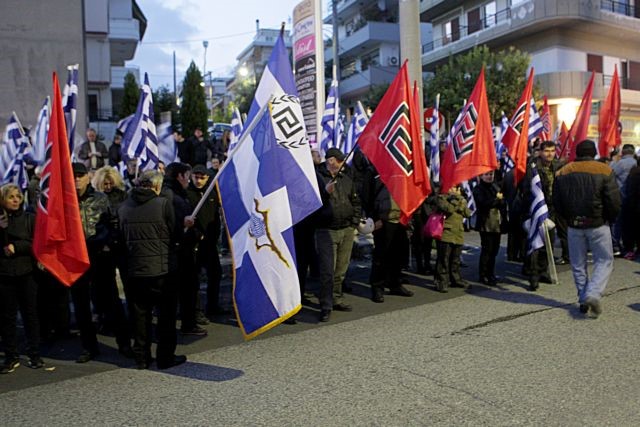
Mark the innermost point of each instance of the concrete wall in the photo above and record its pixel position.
(37, 38)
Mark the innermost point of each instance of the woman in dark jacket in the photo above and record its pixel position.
(490, 223)
(17, 287)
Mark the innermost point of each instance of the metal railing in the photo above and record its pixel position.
(620, 7)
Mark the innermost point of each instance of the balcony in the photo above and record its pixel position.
(124, 35)
(359, 82)
(118, 73)
(369, 36)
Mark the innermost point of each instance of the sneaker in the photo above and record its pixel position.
(10, 365)
(617, 253)
(584, 308)
(595, 306)
(35, 362)
(631, 256)
(196, 330)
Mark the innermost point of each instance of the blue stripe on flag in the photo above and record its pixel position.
(236, 214)
(257, 309)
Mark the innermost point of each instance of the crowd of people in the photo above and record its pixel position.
(141, 226)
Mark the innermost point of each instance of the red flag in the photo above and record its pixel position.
(546, 121)
(561, 143)
(516, 137)
(392, 142)
(580, 126)
(59, 242)
(608, 124)
(470, 149)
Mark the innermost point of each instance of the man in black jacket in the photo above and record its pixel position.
(337, 220)
(147, 222)
(586, 195)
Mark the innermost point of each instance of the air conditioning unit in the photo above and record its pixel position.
(393, 61)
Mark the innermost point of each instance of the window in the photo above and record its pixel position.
(93, 107)
(473, 21)
(634, 75)
(451, 31)
(370, 59)
(594, 63)
(490, 16)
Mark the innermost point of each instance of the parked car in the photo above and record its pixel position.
(216, 131)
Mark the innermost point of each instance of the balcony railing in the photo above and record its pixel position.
(620, 7)
(101, 115)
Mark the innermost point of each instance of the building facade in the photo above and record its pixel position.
(368, 46)
(566, 40)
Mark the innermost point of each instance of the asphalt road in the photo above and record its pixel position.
(487, 356)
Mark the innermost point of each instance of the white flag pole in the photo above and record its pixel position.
(549, 250)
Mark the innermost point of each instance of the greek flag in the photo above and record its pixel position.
(359, 121)
(538, 212)
(267, 185)
(536, 127)
(236, 128)
(12, 156)
(507, 163)
(330, 132)
(40, 137)
(471, 201)
(123, 124)
(167, 148)
(434, 142)
(140, 141)
(70, 105)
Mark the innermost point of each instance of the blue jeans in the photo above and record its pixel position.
(598, 240)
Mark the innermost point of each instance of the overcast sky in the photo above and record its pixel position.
(182, 25)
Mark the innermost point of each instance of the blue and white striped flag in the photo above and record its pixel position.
(538, 212)
(267, 185)
(39, 147)
(507, 163)
(70, 105)
(123, 124)
(140, 141)
(536, 127)
(167, 147)
(12, 156)
(359, 121)
(434, 142)
(471, 201)
(236, 128)
(330, 133)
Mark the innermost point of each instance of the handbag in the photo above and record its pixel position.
(434, 226)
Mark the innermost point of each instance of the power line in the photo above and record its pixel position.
(197, 40)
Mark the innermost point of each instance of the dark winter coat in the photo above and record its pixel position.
(19, 233)
(455, 208)
(341, 208)
(490, 210)
(95, 213)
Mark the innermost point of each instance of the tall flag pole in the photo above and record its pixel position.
(609, 120)
(59, 243)
(140, 140)
(268, 185)
(516, 136)
(434, 142)
(330, 118)
(470, 148)
(546, 121)
(392, 141)
(40, 136)
(70, 105)
(580, 126)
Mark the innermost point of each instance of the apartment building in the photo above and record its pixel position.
(567, 40)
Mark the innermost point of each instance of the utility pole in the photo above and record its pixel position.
(335, 47)
(410, 45)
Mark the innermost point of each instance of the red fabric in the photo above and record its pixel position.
(580, 126)
(470, 149)
(561, 144)
(516, 137)
(608, 124)
(59, 242)
(392, 141)
(546, 121)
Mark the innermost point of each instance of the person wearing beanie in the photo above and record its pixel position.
(586, 195)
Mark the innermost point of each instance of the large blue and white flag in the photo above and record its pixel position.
(123, 124)
(39, 142)
(167, 147)
(434, 142)
(330, 118)
(12, 155)
(536, 127)
(506, 163)
(267, 185)
(236, 128)
(359, 121)
(140, 141)
(70, 105)
(538, 212)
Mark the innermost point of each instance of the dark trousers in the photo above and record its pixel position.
(516, 241)
(107, 296)
(305, 244)
(490, 246)
(562, 230)
(536, 264)
(388, 255)
(145, 294)
(81, 296)
(209, 259)
(421, 247)
(20, 292)
(53, 305)
(189, 286)
(448, 265)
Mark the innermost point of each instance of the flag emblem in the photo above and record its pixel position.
(463, 138)
(395, 137)
(287, 126)
(259, 230)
